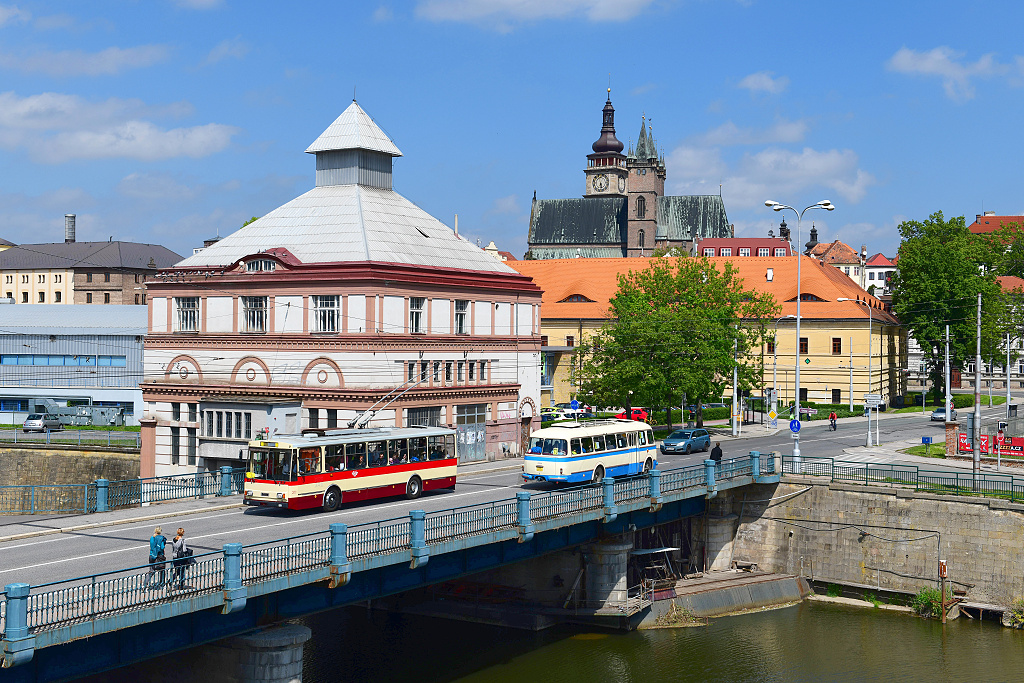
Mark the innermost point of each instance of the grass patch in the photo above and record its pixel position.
(1016, 613)
(928, 601)
(870, 597)
(679, 616)
(935, 450)
(833, 590)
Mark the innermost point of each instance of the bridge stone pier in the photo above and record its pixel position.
(272, 655)
(607, 564)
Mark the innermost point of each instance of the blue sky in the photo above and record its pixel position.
(169, 121)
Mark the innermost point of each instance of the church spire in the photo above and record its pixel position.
(608, 142)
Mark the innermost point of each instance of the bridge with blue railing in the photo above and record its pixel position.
(88, 624)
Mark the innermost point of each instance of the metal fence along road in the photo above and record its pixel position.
(947, 482)
(102, 495)
(84, 606)
(74, 437)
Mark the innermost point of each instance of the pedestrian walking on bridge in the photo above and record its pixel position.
(157, 559)
(182, 559)
(716, 452)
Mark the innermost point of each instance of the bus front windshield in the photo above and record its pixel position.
(547, 446)
(272, 463)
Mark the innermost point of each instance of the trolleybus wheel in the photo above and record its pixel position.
(414, 488)
(332, 499)
(598, 475)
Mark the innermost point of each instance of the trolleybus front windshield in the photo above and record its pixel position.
(273, 464)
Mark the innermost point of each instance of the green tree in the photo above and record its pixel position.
(942, 269)
(251, 220)
(678, 327)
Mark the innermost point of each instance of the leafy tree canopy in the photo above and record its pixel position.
(677, 327)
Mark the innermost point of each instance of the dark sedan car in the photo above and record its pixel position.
(686, 441)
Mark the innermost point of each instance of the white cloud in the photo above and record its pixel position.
(766, 174)
(383, 13)
(10, 14)
(112, 60)
(946, 64)
(55, 127)
(502, 14)
(764, 81)
(236, 48)
(730, 134)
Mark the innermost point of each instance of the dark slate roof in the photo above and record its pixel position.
(86, 255)
(6, 243)
(561, 252)
(689, 216)
(596, 221)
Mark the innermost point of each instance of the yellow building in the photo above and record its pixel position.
(575, 305)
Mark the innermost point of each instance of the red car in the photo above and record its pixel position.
(639, 414)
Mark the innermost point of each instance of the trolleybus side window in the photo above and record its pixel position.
(376, 453)
(440, 447)
(575, 446)
(355, 456)
(418, 449)
(398, 452)
(309, 461)
(643, 438)
(599, 442)
(621, 439)
(588, 444)
(334, 458)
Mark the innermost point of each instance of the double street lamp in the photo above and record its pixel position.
(776, 206)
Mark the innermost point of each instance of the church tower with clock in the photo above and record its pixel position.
(606, 167)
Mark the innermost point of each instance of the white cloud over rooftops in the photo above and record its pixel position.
(12, 14)
(764, 81)
(112, 60)
(502, 14)
(56, 127)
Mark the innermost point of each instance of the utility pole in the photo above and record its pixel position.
(1007, 377)
(735, 389)
(948, 399)
(976, 436)
(851, 374)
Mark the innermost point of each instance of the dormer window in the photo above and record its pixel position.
(576, 299)
(260, 265)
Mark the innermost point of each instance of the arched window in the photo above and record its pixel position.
(641, 207)
(640, 239)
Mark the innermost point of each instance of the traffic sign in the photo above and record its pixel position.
(1000, 437)
(773, 423)
(794, 426)
(574, 404)
(772, 415)
(873, 397)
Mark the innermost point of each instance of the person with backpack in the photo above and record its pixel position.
(832, 417)
(157, 559)
(182, 559)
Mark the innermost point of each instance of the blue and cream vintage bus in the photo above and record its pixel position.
(590, 451)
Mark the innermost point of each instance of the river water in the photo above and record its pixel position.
(811, 642)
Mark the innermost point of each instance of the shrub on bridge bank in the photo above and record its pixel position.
(928, 601)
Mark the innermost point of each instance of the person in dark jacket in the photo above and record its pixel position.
(157, 543)
(716, 452)
(182, 559)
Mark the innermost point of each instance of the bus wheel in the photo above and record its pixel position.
(648, 465)
(414, 488)
(598, 475)
(332, 499)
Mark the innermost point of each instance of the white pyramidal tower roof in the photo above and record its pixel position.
(354, 129)
(352, 215)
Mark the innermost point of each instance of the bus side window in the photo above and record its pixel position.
(418, 449)
(588, 444)
(376, 453)
(643, 438)
(355, 455)
(334, 459)
(622, 441)
(309, 461)
(398, 452)
(598, 443)
(435, 448)
(632, 439)
(576, 448)
(449, 446)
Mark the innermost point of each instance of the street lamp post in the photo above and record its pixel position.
(864, 303)
(776, 206)
(775, 362)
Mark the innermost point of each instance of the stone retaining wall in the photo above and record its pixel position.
(65, 465)
(814, 529)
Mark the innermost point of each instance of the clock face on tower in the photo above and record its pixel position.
(601, 182)
(622, 184)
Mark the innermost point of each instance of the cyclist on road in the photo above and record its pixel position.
(832, 417)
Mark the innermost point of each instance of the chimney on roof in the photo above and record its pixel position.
(990, 213)
(456, 225)
(69, 228)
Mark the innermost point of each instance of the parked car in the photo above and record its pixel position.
(686, 441)
(39, 422)
(639, 414)
(939, 415)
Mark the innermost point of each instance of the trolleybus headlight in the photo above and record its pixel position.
(281, 496)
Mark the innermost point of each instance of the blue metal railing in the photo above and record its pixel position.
(948, 482)
(90, 598)
(105, 495)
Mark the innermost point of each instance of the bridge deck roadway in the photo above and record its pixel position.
(119, 539)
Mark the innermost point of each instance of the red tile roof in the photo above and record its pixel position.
(988, 223)
(1010, 282)
(835, 252)
(597, 279)
(880, 259)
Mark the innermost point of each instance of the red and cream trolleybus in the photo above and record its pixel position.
(325, 468)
